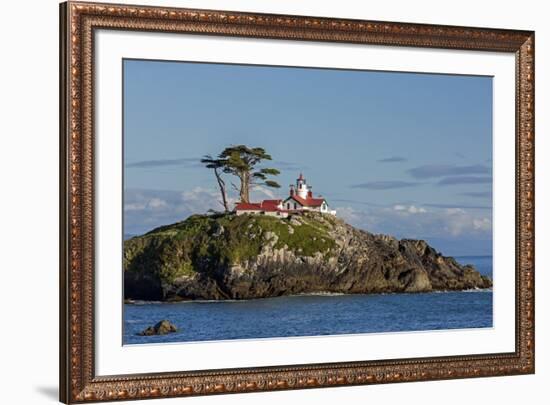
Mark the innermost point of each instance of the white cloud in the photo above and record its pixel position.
(147, 209)
(455, 211)
(156, 203)
(483, 224)
(416, 210)
(145, 203)
(264, 191)
(134, 206)
(410, 221)
(458, 221)
(349, 214)
(411, 209)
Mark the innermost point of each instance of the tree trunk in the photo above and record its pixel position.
(247, 187)
(223, 192)
(244, 193)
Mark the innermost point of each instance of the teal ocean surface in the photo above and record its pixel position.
(313, 315)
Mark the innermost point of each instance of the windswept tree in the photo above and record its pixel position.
(217, 165)
(243, 162)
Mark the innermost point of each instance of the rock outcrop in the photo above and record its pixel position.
(242, 257)
(160, 328)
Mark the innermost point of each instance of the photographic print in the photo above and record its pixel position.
(280, 202)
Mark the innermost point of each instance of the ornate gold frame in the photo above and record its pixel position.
(78, 381)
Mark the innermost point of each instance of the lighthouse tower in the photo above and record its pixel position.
(302, 189)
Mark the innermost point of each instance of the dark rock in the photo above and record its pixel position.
(260, 256)
(161, 328)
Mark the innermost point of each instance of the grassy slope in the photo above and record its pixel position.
(204, 243)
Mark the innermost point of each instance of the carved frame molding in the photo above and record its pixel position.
(78, 381)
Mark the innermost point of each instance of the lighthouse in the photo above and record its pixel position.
(300, 199)
(302, 189)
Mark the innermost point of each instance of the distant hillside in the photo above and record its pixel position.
(239, 257)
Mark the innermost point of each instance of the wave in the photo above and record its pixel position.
(474, 290)
(142, 302)
(319, 294)
(210, 301)
(470, 290)
(311, 294)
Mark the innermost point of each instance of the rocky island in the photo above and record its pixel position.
(229, 256)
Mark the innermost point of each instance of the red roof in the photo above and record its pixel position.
(308, 202)
(270, 205)
(248, 206)
(265, 205)
(271, 202)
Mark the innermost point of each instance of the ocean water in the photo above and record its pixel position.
(313, 315)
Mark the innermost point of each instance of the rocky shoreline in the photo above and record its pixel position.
(175, 300)
(226, 256)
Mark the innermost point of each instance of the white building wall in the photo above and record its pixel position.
(291, 201)
(268, 213)
(242, 212)
(301, 188)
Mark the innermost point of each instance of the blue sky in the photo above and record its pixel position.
(398, 153)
